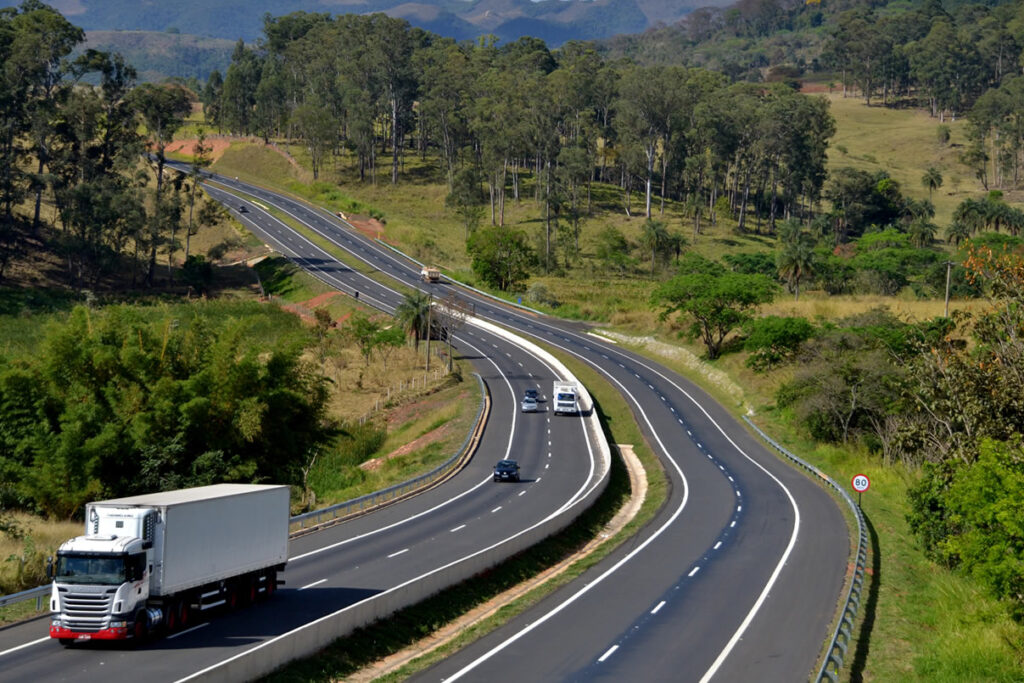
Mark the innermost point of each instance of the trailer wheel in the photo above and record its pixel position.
(254, 589)
(232, 598)
(184, 613)
(271, 585)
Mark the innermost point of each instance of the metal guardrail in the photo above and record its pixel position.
(341, 511)
(335, 513)
(40, 593)
(844, 629)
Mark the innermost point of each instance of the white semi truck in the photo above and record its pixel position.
(566, 396)
(155, 561)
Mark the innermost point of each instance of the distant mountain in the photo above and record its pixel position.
(555, 21)
(157, 56)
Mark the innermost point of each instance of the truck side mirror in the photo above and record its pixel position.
(49, 567)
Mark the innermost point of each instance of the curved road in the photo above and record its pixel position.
(365, 557)
(738, 576)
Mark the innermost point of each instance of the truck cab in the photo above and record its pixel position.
(101, 580)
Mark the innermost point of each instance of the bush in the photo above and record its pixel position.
(774, 339)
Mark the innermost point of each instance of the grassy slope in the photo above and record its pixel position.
(905, 143)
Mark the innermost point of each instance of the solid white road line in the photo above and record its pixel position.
(34, 642)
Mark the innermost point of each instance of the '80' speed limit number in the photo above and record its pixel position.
(860, 483)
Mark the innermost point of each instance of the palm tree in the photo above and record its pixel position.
(653, 236)
(796, 260)
(922, 232)
(414, 315)
(971, 214)
(957, 232)
(931, 179)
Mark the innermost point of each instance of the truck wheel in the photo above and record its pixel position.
(141, 630)
(171, 616)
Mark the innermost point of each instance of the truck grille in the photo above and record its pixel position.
(85, 612)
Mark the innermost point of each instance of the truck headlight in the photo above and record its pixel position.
(118, 624)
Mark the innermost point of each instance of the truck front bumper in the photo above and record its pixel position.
(112, 633)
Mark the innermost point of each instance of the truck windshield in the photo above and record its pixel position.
(566, 397)
(90, 569)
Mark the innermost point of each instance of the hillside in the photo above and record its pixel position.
(157, 56)
(556, 21)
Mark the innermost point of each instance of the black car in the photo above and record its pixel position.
(531, 393)
(506, 470)
(242, 208)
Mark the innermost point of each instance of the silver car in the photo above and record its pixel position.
(529, 405)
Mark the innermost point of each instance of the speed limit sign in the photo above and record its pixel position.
(861, 483)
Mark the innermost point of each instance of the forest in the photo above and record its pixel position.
(501, 123)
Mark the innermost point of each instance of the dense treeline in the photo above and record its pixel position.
(955, 58)
(81, 147)
(497, 115)
(126, 400)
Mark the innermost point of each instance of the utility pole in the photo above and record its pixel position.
(430, 308)
(949, 270)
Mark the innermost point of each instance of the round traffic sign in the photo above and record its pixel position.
(860, 483)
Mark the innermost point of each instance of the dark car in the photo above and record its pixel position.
(531, 393)
(506, 470)
(242, 208)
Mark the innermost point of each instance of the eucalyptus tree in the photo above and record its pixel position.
(444, 72)
(391, 52)
(645, 112)
(162, 109)
(43, 40)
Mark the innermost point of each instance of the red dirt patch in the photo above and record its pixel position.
(217, 147)
(371, 227)
(414, 445)
(320, 300)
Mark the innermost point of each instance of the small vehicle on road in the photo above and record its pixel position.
(532, 393)
(242, 208)
(506, 470)
(529, 405)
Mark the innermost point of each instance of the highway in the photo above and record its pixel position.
(365, 558)
(739, 575)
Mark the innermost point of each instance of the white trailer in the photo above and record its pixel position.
(566, 397)
(157, 559)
